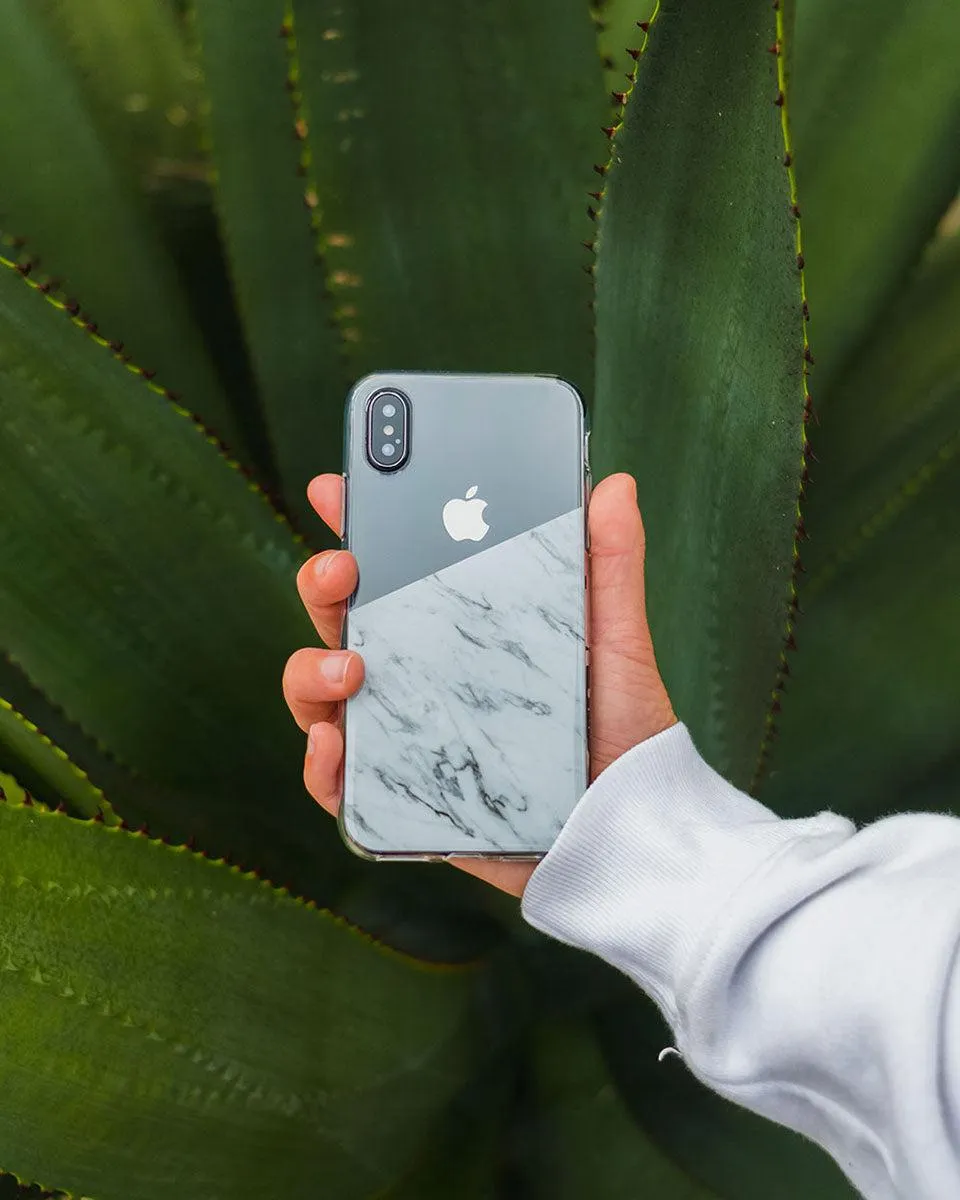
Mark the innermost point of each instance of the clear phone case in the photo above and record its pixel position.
(468, 736)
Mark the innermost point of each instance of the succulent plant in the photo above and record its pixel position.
(213, 221)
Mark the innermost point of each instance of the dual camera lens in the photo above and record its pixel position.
(388, 430)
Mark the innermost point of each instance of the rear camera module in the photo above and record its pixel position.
(388, 430)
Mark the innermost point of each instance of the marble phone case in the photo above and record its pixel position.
(468, 736)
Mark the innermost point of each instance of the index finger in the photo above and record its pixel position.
(325, 493)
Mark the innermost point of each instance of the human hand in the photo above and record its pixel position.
(628, 702)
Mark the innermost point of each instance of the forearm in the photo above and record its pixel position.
(806, 969)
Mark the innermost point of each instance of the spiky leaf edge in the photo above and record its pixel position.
(221, 864)
(104, 807)
(620, 101)
(341, 314)
(78, 317)
(24, 267)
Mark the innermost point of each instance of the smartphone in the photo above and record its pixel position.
(464, 504)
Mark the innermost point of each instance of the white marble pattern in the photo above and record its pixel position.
(468, 733)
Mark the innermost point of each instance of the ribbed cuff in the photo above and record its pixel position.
(649, 857)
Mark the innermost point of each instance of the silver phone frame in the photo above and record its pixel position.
(586, 486)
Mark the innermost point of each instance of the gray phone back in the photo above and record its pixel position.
(468, 735)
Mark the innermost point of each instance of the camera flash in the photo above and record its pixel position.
(388, 429)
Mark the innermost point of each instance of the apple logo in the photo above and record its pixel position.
(463, 519)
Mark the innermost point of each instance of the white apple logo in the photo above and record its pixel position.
(463, 519)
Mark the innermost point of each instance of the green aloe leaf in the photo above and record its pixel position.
(730, 1151)
(892, 410)
(878, 154)
(45, 768)
(451, 162)
(140, 801)
(190, 1031)
(62, 190)
(153, 592)
(588, 1142)
(878, 653)
(465, 1155)
(700, 356)
(132, 66)
(12, 791)
(277, 278)
(618, 34)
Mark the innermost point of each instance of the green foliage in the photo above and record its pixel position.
(168, 521)
(149, 993)
(81, 214)
(278, 280)
(47, 769)
(700, 360)
(449, 157)
(588, 1141)
(883, 512)
(136, 75)
(877, 130)
(265, 200)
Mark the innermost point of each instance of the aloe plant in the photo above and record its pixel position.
(212, 221)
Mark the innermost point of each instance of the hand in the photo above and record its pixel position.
(628, 702)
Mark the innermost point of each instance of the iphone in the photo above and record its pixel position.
(464, 504)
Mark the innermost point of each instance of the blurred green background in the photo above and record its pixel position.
(739, 238)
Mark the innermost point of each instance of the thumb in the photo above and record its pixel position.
(628, 700)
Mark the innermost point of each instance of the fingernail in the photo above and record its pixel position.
(312, 739)
(333, 667)
(324, 562)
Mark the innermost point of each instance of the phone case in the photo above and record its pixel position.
(468, 735)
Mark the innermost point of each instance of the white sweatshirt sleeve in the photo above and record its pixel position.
(808, 971)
